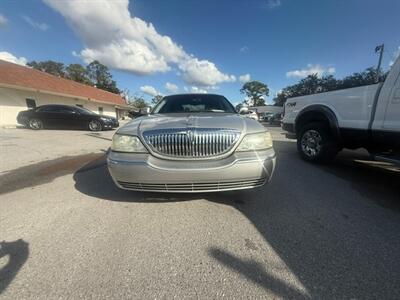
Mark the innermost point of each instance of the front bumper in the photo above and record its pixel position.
(290, 131)
(22, 120)
(288, 127)
(111, 124)
(144, 172)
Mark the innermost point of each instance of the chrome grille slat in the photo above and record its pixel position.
(191, 142)
(191, 187)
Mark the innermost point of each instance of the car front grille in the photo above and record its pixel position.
(191, 142)
(193, 187)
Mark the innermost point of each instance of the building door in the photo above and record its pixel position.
(101, 110)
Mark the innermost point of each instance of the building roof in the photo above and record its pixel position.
(25, 77)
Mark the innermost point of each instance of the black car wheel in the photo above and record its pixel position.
(95, 125)
(315, 143)
(35, 124)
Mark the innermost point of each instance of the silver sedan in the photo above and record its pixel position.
(191, 143)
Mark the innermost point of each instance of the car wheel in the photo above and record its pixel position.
(35, 124)
(315, 143)
(95, 125)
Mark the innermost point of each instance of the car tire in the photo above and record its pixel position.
(315, 143)
(95, 125)
(35, 124)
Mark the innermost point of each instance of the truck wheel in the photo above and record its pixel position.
(316, 144)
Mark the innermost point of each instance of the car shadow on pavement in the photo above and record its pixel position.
(17, 253)
(325, 222)
(93, 179)
(376, 182)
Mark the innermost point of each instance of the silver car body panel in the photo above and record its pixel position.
(184, 120)
(162, 170)
(129, 171)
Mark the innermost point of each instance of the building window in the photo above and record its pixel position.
(30, 103)
(100, 110)
(80, 105)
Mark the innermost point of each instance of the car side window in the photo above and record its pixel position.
(48, 109)
(66, 110)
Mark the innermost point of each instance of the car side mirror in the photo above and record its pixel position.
(145, 111)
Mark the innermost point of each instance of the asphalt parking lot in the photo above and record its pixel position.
(66, 231)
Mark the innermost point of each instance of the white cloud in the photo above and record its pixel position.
(203, 72)
(7, 56)
(396, 54)
(149, 90)
(125, 42)
(311, 69)
(271, 4)
(34, 24)
(245, 78)
(3, 20)
(170, 87)
(197, 90)
(244, 49)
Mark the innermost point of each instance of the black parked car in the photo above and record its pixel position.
(275, 119)
(64, 116)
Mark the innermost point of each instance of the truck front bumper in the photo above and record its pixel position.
(288, 127)
(144, 172)
(290, 131)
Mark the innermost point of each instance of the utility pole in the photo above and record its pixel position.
(379, 49)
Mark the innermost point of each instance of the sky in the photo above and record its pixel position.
(163, 47)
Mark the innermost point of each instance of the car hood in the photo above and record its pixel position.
(203, 120)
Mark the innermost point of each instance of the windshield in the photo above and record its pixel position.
(191, 103)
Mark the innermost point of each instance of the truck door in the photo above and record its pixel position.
(391, 120)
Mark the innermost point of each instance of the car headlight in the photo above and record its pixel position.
(256, 141)
(105, 119)
(127, 143)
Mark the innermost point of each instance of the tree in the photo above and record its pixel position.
(48, 66)
(280, 99)
(101, 77)
(138, 102)
(255, 91)
(156, 99)
(133, 100)
(78, 73)
(312, 84)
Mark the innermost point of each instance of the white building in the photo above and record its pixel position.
(23, 87)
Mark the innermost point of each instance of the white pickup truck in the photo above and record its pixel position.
(362, 117)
